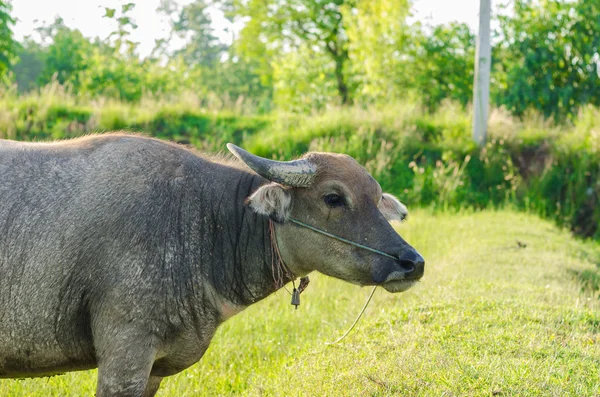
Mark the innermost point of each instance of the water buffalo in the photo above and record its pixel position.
(126, 253)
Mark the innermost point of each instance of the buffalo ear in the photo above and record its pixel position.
(392, 209)
(271, 200)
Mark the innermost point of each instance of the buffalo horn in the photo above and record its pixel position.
(297, 173)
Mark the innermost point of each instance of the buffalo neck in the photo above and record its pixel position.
(233, 246)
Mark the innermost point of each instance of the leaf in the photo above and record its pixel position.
(125, 8)
(109, 12)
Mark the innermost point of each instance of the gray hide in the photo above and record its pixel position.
(125, 253)
(111, 250)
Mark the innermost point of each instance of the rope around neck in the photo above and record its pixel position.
(280, 270)
(278, 266)
(314, 229)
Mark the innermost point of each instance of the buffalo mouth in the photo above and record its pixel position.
(398, 282)
(398, 285)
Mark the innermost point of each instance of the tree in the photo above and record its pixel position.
(214, 67)
(304, 80)
(193, 24)
(237, 79)
(28, 69)
(67, 56)
(284, 25)
(552, 61)
(378, 41)
(391, 58)
(125, 26)
(8, 46)
(442, 64)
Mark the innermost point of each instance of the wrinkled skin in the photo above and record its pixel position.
(126, 253)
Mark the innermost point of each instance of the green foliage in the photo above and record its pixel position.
(67, 57)
(210, 132)
(240, 78)
(304, 81)
(28, 69)
(125, 26)
(308, 55)
(378, 40)
(443, 65)
(428, 158)
(551, 62)
(193, 23)
(236, 80)
(8, 46)
(298, 53)
(56, 114)
(280, 25)
(114, 76)
(108, 69)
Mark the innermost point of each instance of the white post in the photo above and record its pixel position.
(481, 85)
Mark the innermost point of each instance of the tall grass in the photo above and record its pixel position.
(426, 158)
(55, 113)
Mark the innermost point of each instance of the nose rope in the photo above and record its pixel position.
(314, 229)
(323, 232)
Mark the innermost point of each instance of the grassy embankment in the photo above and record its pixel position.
(489, 318)
(426, 159)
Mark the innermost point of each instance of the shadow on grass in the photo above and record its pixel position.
(589, 278)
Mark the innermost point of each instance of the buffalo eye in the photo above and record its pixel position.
(334, 200)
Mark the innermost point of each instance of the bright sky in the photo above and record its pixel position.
(86, 15)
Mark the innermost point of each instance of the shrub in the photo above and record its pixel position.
(427, 159)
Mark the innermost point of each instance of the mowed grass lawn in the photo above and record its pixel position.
(492, 317)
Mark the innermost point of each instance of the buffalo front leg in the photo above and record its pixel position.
(152, 386)
(124, 365)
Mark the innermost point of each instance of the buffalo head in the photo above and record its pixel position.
(333, 193)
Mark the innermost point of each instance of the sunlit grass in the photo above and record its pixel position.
(491, 317)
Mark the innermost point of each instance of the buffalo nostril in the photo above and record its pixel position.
(412, 263)
(407, 265)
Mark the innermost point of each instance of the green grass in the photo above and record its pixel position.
(489, 318)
